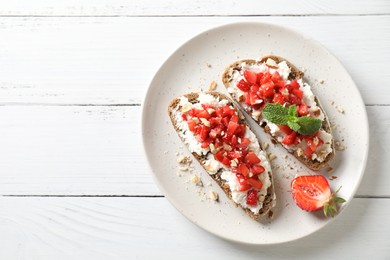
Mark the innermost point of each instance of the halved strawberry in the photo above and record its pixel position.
(312, 192)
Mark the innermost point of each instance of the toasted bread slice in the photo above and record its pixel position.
(234, 72)
(266, 195)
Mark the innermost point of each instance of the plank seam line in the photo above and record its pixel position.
(194, 15)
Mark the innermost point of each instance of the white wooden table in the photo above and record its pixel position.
(73, 181)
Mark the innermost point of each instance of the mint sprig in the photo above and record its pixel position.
(281, 115)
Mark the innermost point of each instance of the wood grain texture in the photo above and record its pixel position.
(101, 60)
(190, 8)
(127, 228)
(97, 150)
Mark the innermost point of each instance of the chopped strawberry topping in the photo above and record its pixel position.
(222, 128)
(265, 87)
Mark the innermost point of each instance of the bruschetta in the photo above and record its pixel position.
(217, 135)
(254, 84)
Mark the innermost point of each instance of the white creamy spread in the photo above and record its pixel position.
(213, 166)
(308, 98)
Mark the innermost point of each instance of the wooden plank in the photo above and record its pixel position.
(72, 150)
(82, 150)
(188, 8)
(127, 228)
(111, 60)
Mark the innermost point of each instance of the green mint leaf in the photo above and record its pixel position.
(294, 126)
(276, 114)
(308, 125)
(292, 111)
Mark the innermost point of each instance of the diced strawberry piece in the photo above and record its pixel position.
(248, 98)
(308, 152)
(218, 143)
(278, 98)
(255, 183)
(192, 112)
(250, 76)
(206, 143)
(234, 140)
(226, 161)
(287, 130)
(234, 118)
(251, 198)
(302, 109)
(240, 131)
(280, 84)
(245, 187)
(266, 77)
(255, 88)
(275, 77)
(308, 137)
(267, 89)
(252, 158)
(294, 84)
(227, 139)
(312, 145)
(203, 114)
(234, 155)
(214, 133)
(257, 169)
(219, 156)
(225, 121)
(191, 125)
(298, 93)
(254, 98)
(243, 182)
(259, 77)
(219, 112)
(243, 169)
(241, 179)
(290, 138)
(215, 121)
(244, 144)
(227, 111)
(295, 100)
(184, 116)
(232, 127)
(243, 85)
(204, 133)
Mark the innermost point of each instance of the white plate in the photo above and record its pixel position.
(186, 70)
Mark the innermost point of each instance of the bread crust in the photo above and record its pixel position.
(269, 200)
(295, 74)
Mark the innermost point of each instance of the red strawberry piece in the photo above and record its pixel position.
(251, 198)
(312, 193)
(250, 76)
